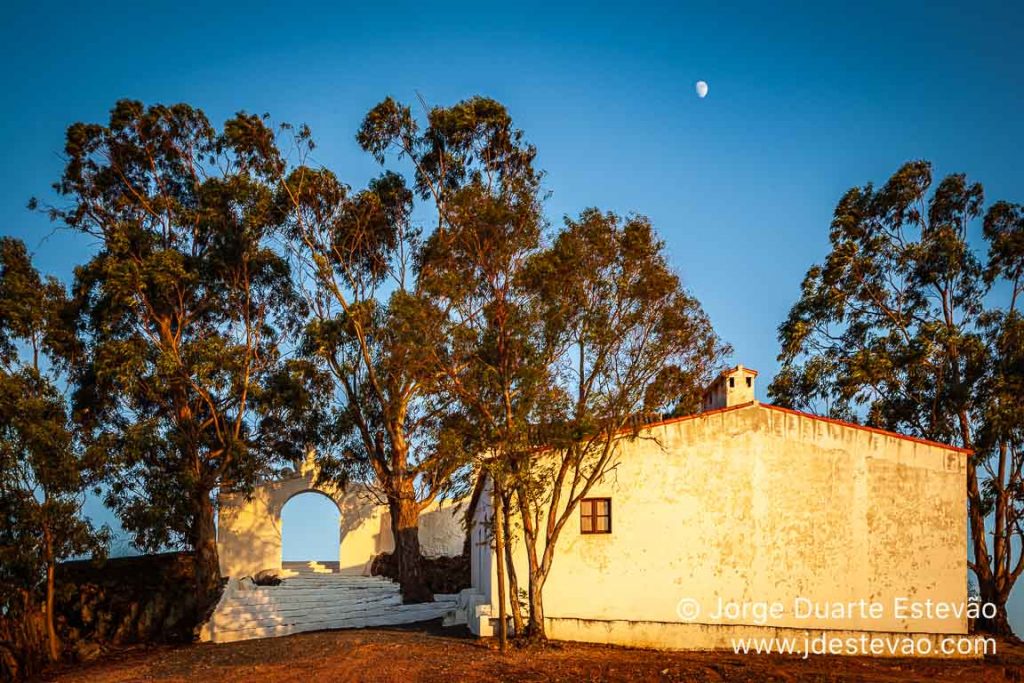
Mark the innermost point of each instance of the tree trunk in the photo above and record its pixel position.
(536, 628)
(405, 518)
(53, 648)
(999, 625)
(499, 558)
(986, 574)
(205, 557)
(513, 580)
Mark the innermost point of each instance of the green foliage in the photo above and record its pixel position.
(471, 142)
(377, 330)
(371, 336)
(184, 312)
(633, 338)
(381, 327)
(43, 474)
(413, 352)
(560, 346)
(627, 341)
(889, 325)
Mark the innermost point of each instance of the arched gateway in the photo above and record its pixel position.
(317, 596)
(249, 528)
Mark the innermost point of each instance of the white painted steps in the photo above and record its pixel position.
(473, 609)
(307, 568)
(312, 599)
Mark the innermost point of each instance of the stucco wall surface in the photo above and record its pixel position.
(758, 505)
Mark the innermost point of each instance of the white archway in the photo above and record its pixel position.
(249, 526)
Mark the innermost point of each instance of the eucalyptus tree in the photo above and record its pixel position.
(43, 473)
(628, 342)
(524, 319)
(184, 311)
(475, 172)
(375, 336)
(498, 365)
(906, 327)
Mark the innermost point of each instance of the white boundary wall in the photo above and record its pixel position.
(249, 528)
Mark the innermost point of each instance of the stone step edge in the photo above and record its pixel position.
(272, 607)
(285, 587)
(241, 623)
(328, 618)
(327, 590)
(383, 609)
(229, 636)
(328, 584)
(408, 611)
(234, 605)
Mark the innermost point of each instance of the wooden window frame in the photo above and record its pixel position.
(593, 517)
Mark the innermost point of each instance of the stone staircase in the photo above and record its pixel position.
(473, 610)
(314, 597)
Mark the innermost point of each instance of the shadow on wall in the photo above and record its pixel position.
(443, 529)
(357, 514)
(245, 538)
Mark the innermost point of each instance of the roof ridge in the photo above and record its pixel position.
(821, 418)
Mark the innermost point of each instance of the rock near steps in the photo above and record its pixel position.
(313, 600)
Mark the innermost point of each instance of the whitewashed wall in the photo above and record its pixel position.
(249, 529)
(758, 504)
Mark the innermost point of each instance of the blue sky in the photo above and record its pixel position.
(805, 101)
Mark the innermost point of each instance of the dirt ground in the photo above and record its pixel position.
(431, 654)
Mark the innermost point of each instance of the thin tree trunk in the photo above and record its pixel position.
(499, 558)
(53, 647)
(206, 559)
(513, 579)
(536, 628)
(405, 518)
(988, 588)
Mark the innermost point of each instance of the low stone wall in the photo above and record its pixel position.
(447, 575)
(146, 599)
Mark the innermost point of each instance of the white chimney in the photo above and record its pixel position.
(731, 388)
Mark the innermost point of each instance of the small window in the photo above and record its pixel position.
(732, 382)
(596, 516)
(748, 381)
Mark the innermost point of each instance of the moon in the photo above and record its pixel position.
(702, 89)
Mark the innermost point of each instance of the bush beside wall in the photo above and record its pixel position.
(444, 574)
